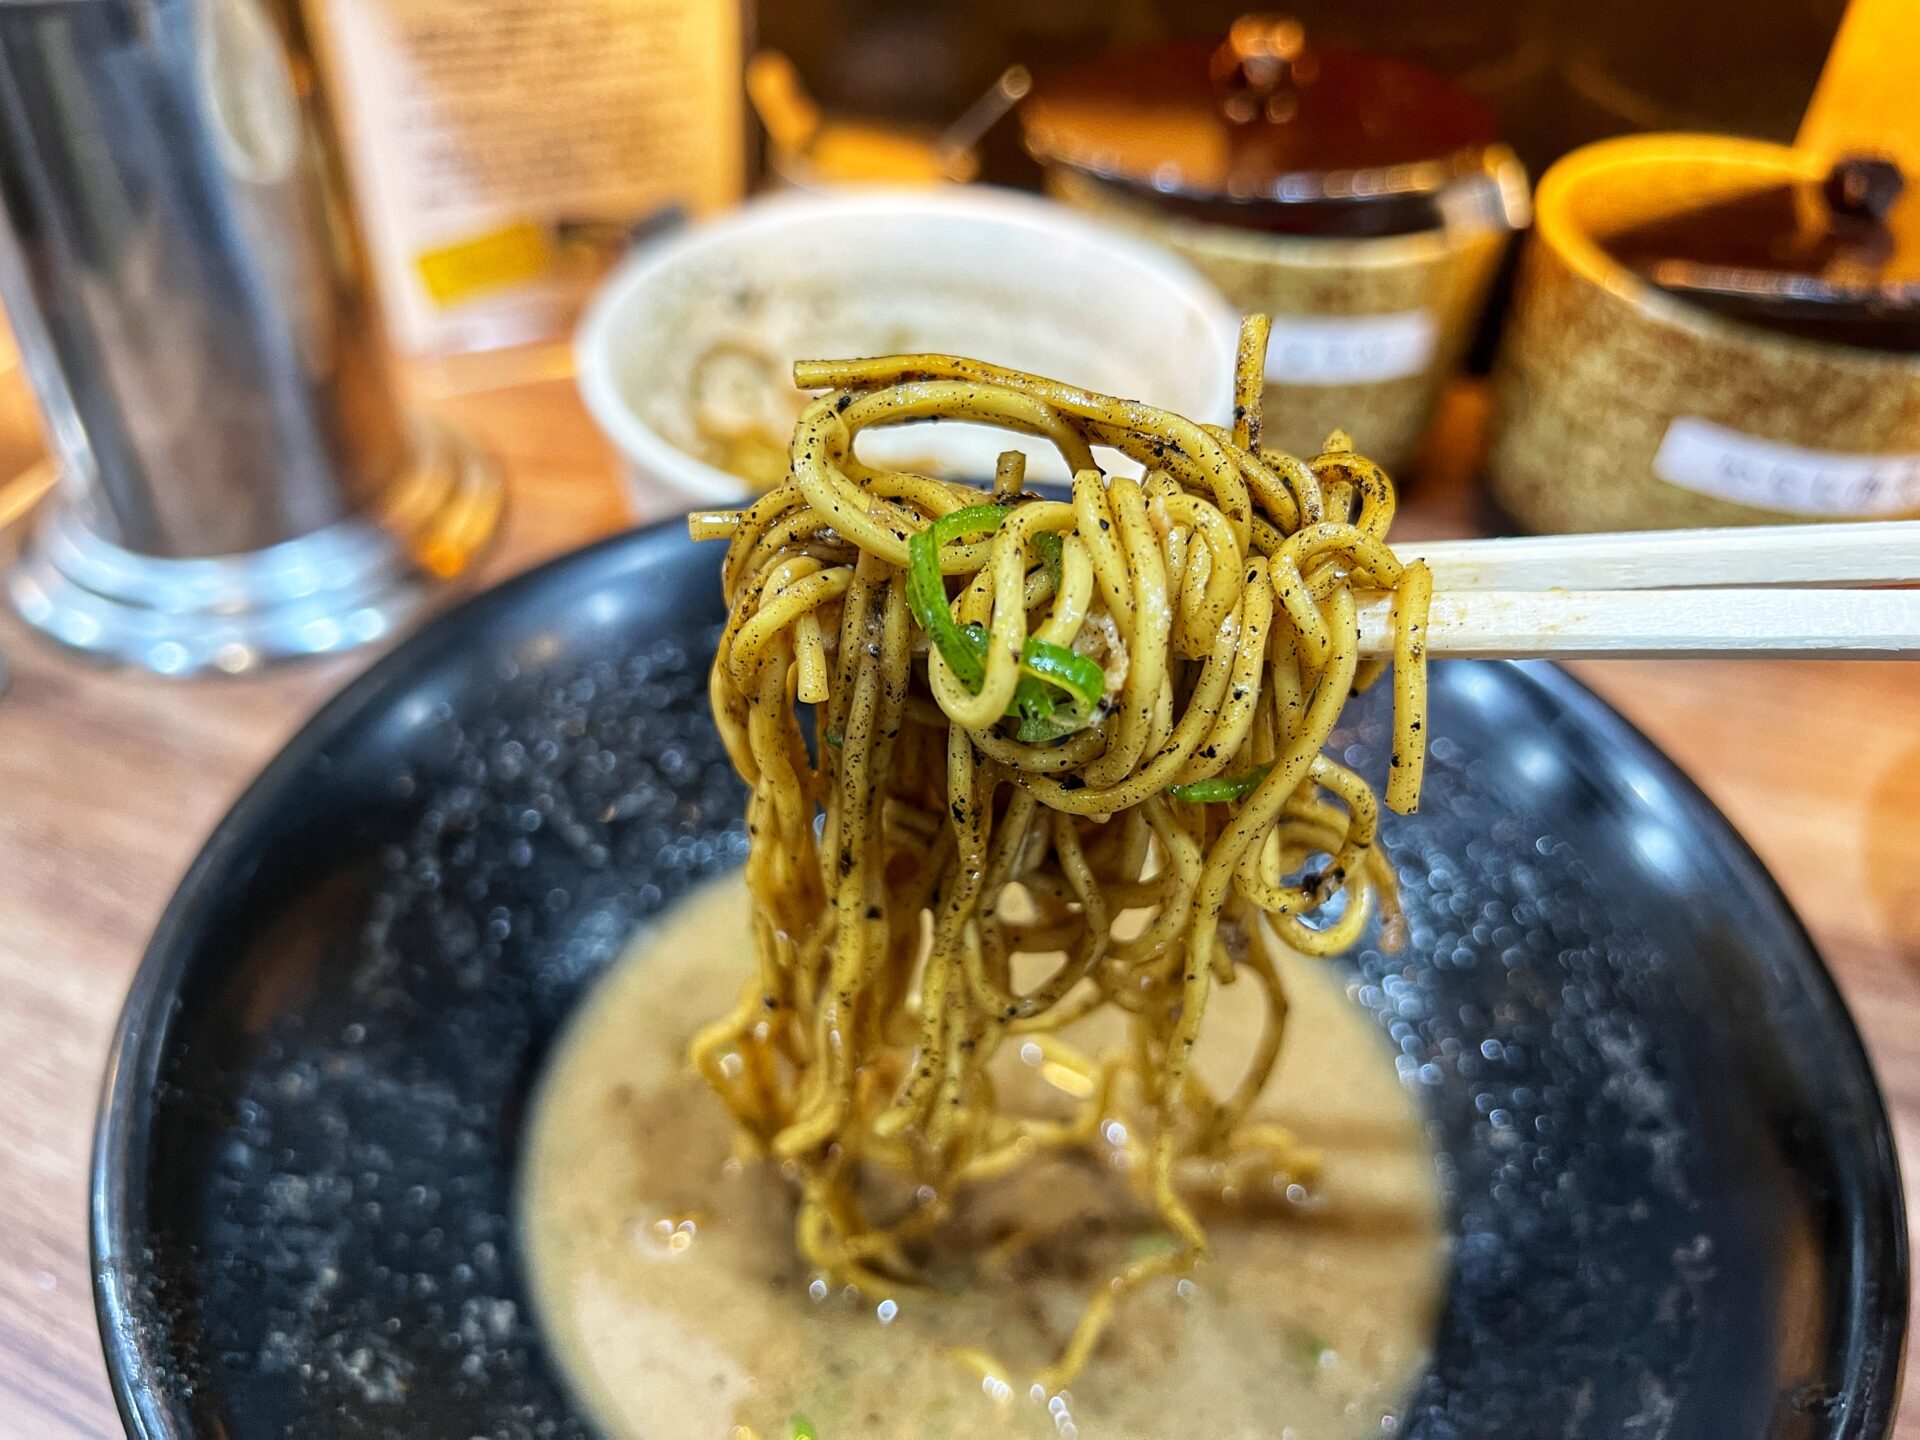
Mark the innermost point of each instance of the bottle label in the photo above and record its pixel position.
(505, 150)
(1350, 349)
(1701, 456)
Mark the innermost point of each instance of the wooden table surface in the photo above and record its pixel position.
(110, 781)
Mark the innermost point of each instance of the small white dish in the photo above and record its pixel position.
(992, 274)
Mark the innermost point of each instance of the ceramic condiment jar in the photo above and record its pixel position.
(1361, 200)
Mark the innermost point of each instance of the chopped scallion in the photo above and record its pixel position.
(1221, 788)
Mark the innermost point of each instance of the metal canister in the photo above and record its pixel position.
(1361, 200)
(183, 268)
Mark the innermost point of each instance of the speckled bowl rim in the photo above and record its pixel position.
(1557, 229)
(121, 1161)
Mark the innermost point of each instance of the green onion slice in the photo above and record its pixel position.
(1221, 788)
(1048, 544)
(1059, 690)
(927, 592)
(1078, 677)
(1031, 701)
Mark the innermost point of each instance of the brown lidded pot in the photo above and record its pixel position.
(1688, 346)
(1361, 200)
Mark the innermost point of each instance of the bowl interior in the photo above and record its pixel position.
(1670, 1179)
(711, 321)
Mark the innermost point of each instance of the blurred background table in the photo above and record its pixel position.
(110, 781)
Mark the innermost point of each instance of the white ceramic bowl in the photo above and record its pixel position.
(991, 274)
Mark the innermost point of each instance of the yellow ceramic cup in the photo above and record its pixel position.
(1618, 406)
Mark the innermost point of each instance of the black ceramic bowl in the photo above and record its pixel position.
(1670, 1178)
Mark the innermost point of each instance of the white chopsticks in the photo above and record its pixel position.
(1773, 591)
(1873, 552)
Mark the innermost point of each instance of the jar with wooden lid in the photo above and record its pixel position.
(1711, 331)
(1361, 200)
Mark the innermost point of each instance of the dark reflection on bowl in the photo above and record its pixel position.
(1671, 1180)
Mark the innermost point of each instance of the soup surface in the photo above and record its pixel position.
(662, 1265)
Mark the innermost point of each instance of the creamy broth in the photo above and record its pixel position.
(664, 1272)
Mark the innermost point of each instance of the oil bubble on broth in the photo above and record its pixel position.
(664, 1272)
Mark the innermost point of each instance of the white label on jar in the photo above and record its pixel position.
(1699, 455)
(1349, 349)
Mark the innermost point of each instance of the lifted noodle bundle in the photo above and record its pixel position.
(1031, 719)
